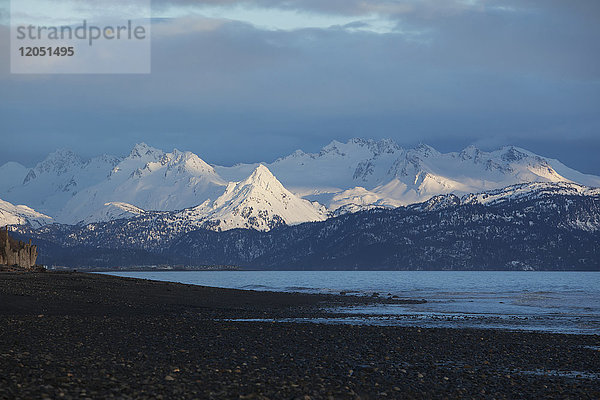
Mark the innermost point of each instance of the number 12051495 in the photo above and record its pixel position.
(47, 51)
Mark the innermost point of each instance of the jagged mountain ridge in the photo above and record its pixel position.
(530, 191)
(389, 175)
(258, 203)
(345, 177)
(522, 235)
(149, 179)
(53, 182)
(548, 226)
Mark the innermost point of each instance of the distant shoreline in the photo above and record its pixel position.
(249, 269)
(148, 269)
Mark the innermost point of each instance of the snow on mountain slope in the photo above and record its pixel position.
(337, 167)
(346, 177)
(259, 202)
(359, 198)
(573, 175)
(151, 180)
(114, 210)
(529, 191)
(365, 173)
(586, 216)
(52, 182)
(21, 215)
(11, 174)
(512, 193)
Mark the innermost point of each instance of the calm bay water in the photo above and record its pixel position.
(567, 302)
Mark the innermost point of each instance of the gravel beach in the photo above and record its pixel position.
(74, 335)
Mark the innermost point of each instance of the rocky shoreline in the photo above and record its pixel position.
(73, 335)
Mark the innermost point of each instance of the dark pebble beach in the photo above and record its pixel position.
(77, 336)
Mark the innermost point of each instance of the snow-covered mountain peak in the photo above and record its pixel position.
(513, 154)
(424, 150)
(524, 165)
(52, 182)
(333, 147)
(374, 148)
(176, 162)
(103, 160)
(260, 202)
(151, 180)
(142, 150)
(187, 162)
(263, 177)
(297, 153)
(385, 146)
(62, 155)
(57, 163)
(260, 182)
(470, 153)
(65, 164)
(21, 215)
(150, 160)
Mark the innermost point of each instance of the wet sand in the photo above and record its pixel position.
(72, 335)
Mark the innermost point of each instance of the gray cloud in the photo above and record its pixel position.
(526, 74)
(337, 7)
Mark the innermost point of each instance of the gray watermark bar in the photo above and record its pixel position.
(80, 37)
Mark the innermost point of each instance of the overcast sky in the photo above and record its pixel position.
(245, 81)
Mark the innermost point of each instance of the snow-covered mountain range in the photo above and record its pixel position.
(301, 187)
(147, 179)
(540, 225)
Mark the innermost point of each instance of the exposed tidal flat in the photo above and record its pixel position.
(72, 335)
(557, 302)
